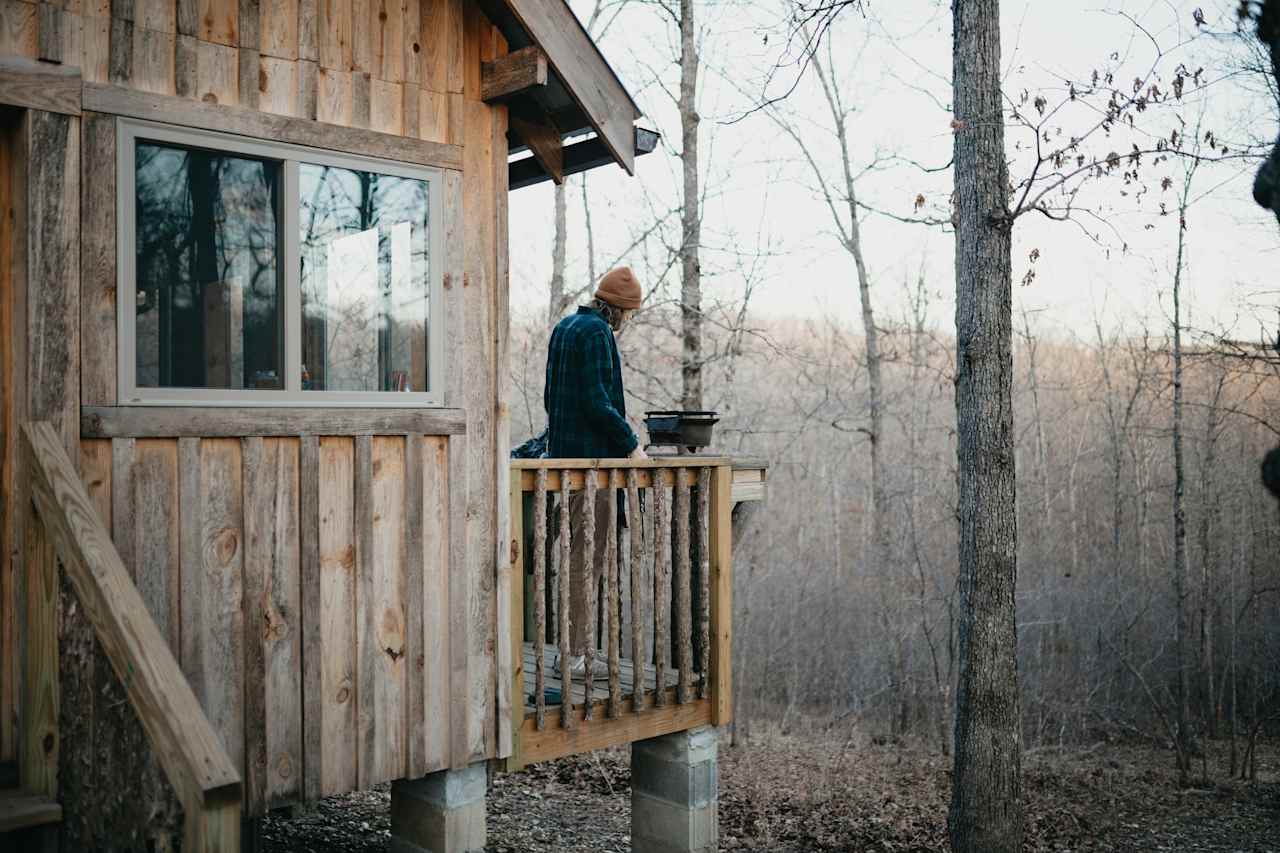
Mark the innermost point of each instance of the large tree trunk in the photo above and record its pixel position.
(986, 798)
(1180, 568)
(691, 217)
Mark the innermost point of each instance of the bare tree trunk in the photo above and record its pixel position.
(1208, 520)
(986, 797)
(1180, 569)
(691, 217)
(556, 301)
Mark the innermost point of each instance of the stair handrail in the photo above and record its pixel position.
(66, 528)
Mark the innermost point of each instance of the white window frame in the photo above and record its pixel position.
(128, 132)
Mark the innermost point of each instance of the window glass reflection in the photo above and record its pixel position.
(365, 304)
(207, 277)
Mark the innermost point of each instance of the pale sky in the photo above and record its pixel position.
(764, 218)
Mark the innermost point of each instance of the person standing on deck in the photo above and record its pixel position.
(587, 419)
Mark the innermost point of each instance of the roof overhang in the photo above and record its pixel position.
(562, 87)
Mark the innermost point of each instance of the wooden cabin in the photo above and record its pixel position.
(262, 540)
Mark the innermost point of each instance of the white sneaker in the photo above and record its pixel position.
(578, 667)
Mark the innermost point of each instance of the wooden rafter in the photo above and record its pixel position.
(518, 73)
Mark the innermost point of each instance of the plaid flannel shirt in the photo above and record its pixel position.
(586, 411)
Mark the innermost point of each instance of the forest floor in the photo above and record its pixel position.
(797, 794)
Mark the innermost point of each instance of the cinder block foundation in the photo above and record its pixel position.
(674, 793)
(439, 813)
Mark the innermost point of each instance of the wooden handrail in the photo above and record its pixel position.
(193, 758)
(692, 635)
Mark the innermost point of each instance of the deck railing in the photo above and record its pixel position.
(63, 528)
(661, 617)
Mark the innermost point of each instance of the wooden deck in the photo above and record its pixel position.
(600, 686)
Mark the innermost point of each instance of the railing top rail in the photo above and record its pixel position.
(189, 750)
(689, 461)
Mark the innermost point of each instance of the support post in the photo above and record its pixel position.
(440, 813)
(674, 793)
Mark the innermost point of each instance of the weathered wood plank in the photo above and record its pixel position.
(257, 556)
(335, 34)
(184, 67)
(219, 22)
(386, 107)
(361, 86)
(120, 52)
(311, 618)
(216, 116)
(721, 548)
(153, 61)
(544, 142)
(337, 616)
(53, 274)
(40, 85)
(52, 27)
(278, 88)
(308, 75)
(124, 529)
(95, 59)
(334, 96)
(459, 613)
(218, 615)
(414, 601)
(308, 30)
(517, 73)
(436, 669)
(217, 77)
(506, 523)
(480, 374)
(38, 758)
(249, 77)
(412, 41)
(273, 659)
(684, 595)
(388, 35)
(171, 422)
(19, 29)
(13, 370)
(250, 23)
(381, 611)
(153, 511)
(187, 746)
(279, 30)
(540, 593)
(511, 705)
(98, 265)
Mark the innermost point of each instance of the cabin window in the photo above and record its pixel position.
(258, 273)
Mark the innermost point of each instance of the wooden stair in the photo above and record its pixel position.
(19, 811)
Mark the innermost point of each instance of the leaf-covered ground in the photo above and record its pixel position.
(797, 794)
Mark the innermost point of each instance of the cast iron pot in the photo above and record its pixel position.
(690, 430)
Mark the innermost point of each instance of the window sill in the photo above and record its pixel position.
(151, 421)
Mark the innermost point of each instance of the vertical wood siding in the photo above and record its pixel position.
(333, 600)
(394, 67)
(309, 611)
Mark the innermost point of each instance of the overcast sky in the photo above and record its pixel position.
(765, 219)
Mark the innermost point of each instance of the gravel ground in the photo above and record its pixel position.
(801, 794)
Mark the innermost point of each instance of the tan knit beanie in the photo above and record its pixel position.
(620, 289)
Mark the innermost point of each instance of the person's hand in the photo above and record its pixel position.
(638, 454)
